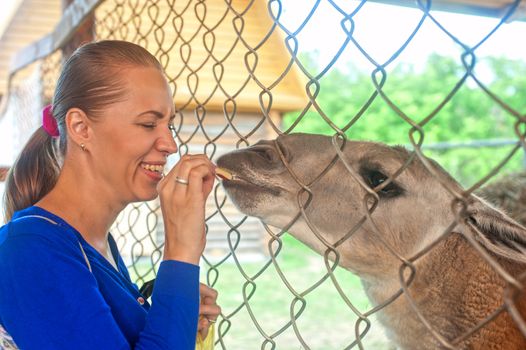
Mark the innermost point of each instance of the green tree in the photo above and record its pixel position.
(422, 93)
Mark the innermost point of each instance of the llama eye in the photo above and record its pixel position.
(375, 178)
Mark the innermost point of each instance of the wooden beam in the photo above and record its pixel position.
(485, 8)
(84, 33)
(73, 18)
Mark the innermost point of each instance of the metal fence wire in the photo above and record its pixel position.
(235, 69)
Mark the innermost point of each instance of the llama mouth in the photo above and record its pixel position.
(234, 181)
(225, 174)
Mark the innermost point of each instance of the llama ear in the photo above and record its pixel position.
(495, 230)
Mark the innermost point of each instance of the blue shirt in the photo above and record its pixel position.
(49, 298)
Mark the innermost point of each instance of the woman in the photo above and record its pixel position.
(63, 284)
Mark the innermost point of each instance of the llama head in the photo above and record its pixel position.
(372, 202)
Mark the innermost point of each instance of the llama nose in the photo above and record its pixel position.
(271, 152)
(281, 148)
(267, 153)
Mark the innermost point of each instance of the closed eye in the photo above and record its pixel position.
(171, 127)
(148, 125)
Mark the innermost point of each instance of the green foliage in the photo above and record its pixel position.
(271, 302)
(441, 97)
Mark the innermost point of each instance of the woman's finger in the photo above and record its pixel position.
(203, 327)
(183, 198)
(211, 311)
(208, 307)
(207, 292)
(184, 162)
(179, 176)
(197, 177)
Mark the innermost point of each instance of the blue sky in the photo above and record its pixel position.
(382, 29)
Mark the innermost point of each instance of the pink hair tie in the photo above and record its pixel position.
(49, 123)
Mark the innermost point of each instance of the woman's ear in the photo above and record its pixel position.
(78, 126)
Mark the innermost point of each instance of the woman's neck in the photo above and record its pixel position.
(78, 201)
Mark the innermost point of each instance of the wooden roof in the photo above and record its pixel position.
(488, 8)
(209, 53)
(32, 20)
(232, 78)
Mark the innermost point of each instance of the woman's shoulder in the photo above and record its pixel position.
(32, 221)
(33, 237)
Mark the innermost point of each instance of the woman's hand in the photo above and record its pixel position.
(208, 309)
(183, 207)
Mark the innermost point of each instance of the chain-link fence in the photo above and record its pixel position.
(240, 72)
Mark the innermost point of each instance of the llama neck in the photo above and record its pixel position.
(453, 290)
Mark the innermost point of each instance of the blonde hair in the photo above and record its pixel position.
(89, 80)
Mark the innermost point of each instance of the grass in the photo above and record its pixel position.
(257, 304)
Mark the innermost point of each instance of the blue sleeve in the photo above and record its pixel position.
(182, 331)
(50, 300)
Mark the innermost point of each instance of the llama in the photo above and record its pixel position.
(508, 193)
(377, 205)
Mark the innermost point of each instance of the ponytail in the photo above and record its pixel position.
(33, 175)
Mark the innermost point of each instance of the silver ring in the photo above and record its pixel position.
(181, 181)
(210, 321)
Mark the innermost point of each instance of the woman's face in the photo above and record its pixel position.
(132, 138)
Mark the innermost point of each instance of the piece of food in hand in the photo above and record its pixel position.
(224, 174)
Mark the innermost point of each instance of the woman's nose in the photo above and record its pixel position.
(166, 143)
